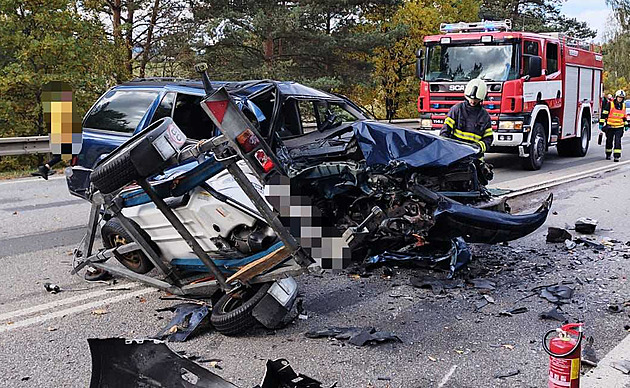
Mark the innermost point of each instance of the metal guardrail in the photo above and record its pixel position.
(10, 146)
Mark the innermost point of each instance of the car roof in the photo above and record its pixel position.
(287, 88)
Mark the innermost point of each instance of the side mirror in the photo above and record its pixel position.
(419, 64)
(534, 67)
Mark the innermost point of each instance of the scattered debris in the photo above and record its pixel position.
(355, 335)
(588, 353)
(553, 314)
(117, 362)
(506, 373)
(622, 365)
(488, 298)
(557, 294)
(188, 316)
(402, 296)
(557, 235)
(514, 311)
(432, 358)
(437, 286)
(585, 225)
(99, 312)
(50, 328)
(483, 284)
(615, 308)
(508, 346)
(589, 243)
(569, 244)
(25, 378)
(52, 288)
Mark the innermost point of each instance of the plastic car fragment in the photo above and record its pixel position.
(117, 362)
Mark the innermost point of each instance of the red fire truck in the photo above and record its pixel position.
(543, 89)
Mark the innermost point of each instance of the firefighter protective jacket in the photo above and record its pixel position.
(614, 114)
(470, 124)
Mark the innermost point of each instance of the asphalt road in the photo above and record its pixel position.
(447, 341)
(510, 175)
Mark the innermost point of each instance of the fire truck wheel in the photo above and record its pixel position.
(577, 146)
(537, 149)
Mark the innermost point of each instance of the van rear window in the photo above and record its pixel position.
(120, 110)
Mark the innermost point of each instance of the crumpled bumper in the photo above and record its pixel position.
(475, 225)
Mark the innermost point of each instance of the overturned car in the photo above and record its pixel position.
(307, 177)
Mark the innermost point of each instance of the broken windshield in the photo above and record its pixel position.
(463, 63)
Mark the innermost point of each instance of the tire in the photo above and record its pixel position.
(115, 235)
(537, 149)
(232, 314)
(577, 146)
(114, 174)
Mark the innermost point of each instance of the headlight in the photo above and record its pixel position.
(426, 123)
(511, 125)
(68, 172)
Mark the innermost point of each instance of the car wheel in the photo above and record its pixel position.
(114, 174)
(114, 235)
(537, 149)
(232, 314)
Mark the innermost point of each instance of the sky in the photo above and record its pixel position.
(594, 12)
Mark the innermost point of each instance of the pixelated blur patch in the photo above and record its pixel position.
(318, 236)
(62, 119)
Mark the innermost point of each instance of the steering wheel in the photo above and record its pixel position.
(332, 120)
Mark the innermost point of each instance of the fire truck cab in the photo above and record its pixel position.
(543, 89)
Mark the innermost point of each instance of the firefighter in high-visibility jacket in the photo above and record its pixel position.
(613, 123)
(468, 121)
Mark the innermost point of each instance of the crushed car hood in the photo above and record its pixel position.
(384, 143)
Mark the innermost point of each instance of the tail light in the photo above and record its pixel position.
(265, 162)
(248, 141)
(74, 161)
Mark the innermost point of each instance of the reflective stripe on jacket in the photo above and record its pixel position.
(616, 117)
(469, 124)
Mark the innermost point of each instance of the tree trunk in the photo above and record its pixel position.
(129, 36)
(147, 44)
(116, 17)
(269, 50)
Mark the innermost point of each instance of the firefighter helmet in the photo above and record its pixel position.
(476, 88)
(620, 93)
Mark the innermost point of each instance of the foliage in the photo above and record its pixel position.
(394, 74)
(617, 49)
(535, 16)
(41, 41)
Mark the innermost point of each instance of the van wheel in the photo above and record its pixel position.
(232, 314)
(537, 149)
(114, 235)
(577, 146)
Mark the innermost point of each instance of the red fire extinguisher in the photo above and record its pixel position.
(564, 356)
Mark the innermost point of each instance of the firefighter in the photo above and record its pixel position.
(468, 121)
(613, 123)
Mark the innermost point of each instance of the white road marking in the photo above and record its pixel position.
(73, 310)
(11, 315)
(605, 375)
(559, 180)
(28, 180)
(447, 376)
